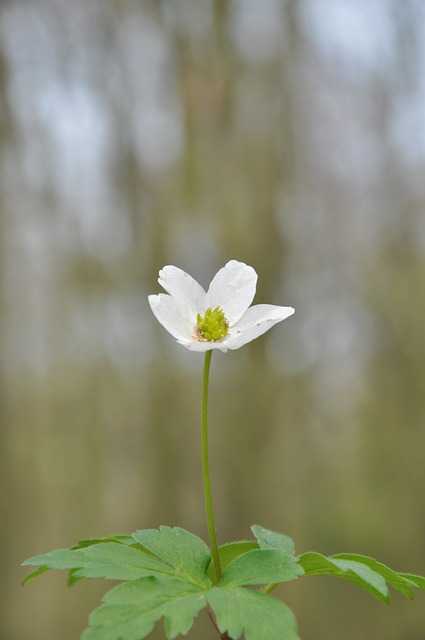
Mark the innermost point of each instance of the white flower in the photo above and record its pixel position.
(220, 318)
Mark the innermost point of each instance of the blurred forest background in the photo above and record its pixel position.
(286, 134)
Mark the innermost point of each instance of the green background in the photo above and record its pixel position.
(288, 135)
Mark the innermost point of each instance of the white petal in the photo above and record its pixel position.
(256, 321)
(232, 289)
(201, 347)
(168, 312)
(187, 292)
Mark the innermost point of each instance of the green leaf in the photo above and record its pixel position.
(261, 566)
(167, 574)
(418, 581)
(228, 552)
(271, 540)
(130, 611)
(120, 539)
(35, 574)
(82, 543)
(402, 582)
(187, 554)
(73, 577)
(362, 575)
(253, 614)
(315, 563)
(104, 560)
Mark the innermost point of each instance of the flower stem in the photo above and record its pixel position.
(206, 466)
(213, 619)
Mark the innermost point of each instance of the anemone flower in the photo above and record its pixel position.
(220, 318)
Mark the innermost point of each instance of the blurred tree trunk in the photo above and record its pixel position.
(6, 457)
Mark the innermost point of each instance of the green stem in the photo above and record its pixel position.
(206, 466)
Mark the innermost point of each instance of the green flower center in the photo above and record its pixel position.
(211, 327)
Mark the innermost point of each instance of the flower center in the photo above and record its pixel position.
(211, 327)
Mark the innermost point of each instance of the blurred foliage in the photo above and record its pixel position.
(287, 135)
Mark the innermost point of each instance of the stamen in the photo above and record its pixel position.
(212, 327)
